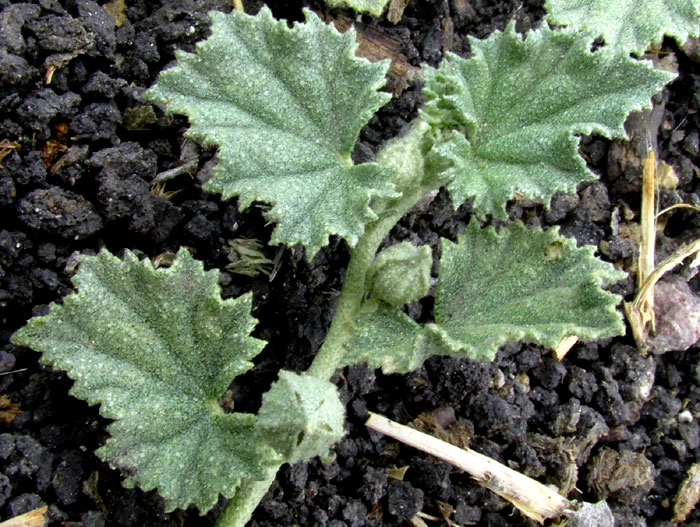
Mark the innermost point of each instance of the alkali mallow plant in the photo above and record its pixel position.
(156, 348)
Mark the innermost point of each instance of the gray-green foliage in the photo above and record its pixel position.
(512, 112)
(522, 284)
(629, 25)
(373, 7)
(301, 416)
(400, 274)
(386, 338)
(157, 348)
(285, 107)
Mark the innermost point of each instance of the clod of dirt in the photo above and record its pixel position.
(691, 48)
(625, 476)
(59, 212)
(404, 501)
(677, 314)
(12, 19)
(100, 25)
(59, 33)
(44, 106)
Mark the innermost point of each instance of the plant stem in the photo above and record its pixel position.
(331, 353)
(240, 508)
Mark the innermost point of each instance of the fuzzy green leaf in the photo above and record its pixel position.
(301, 416)
(285, 106)
(406, 156)
(386, 338)
(400, 274)
(520, 104)
(373, 7)
(156, 348)
(629, 25)
(521, 284)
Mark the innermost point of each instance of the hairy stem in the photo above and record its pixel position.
(240, 508)
(331, 353)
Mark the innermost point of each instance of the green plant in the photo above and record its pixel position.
(156, 348)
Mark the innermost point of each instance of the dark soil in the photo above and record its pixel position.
(83, 148)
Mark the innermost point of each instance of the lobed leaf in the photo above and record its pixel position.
(156, 348)
(521, 284)
(285, 106)
(520, 104)
(629, 25)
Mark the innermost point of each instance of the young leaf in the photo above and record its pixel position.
(301, 416)
(521, 284)
(400, 274)
(405, 155)
(285, 106)
(629, 25)
(388, 339)
(156, 348)
(520, 103)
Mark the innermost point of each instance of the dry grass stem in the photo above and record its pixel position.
(647, 249)
(535, 500)
(677, 206)
(640, 312)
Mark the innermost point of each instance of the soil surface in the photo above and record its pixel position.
(81, 151)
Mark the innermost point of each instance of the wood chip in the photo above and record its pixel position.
(35, 518)
(375, 45)
(564, 347)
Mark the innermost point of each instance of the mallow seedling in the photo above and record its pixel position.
(156, 348)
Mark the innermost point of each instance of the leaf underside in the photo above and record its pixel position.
(509, 115)
(521, 284)
(285, 107)
(631, 26)
(156, 348)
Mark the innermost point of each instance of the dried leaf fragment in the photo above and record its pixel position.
(688, 495)
(8, 410)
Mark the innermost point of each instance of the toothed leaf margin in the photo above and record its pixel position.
(156, 349)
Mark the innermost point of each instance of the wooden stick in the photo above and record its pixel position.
(535, 500)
